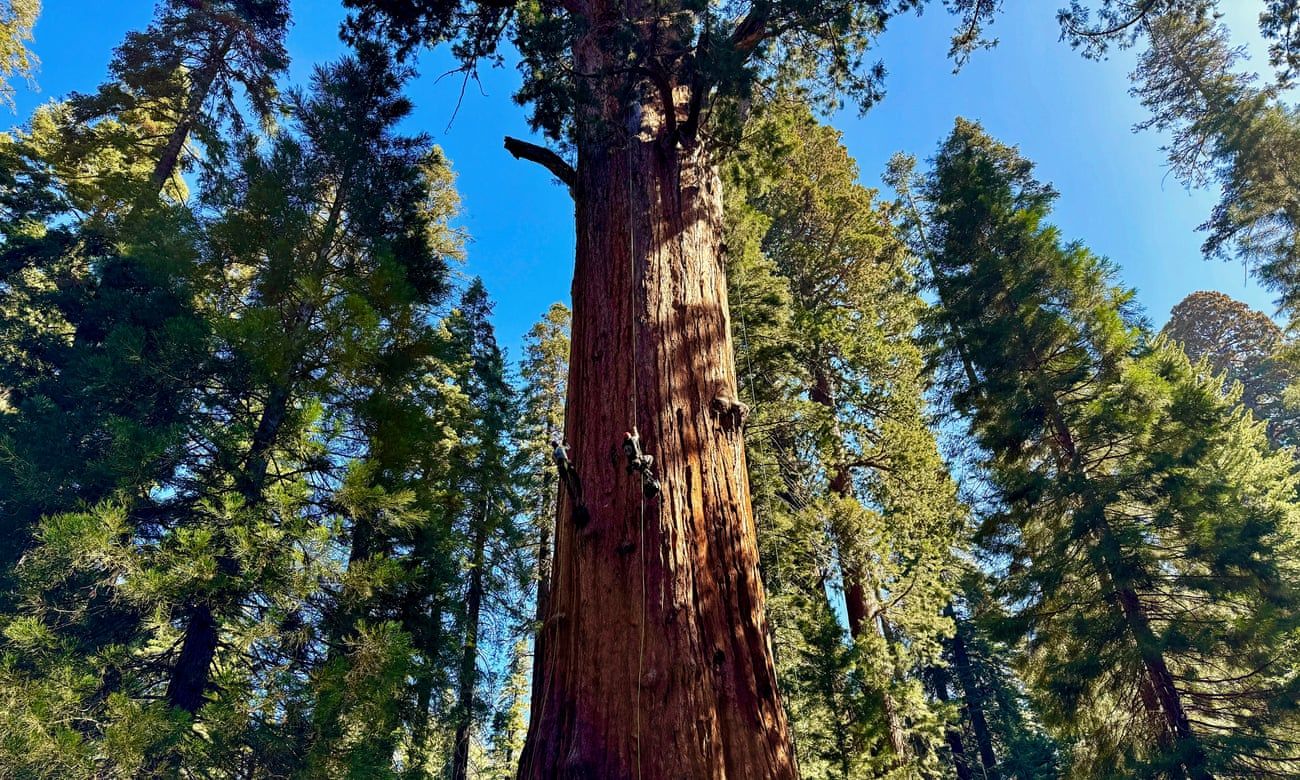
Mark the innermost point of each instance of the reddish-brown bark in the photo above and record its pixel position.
(654, 660)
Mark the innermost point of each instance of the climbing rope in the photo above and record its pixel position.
(631, 258)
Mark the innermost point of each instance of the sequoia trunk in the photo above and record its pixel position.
(654, 660)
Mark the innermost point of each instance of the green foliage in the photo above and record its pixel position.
(852, 498)
(1228, 129)
(999, 726)
(1143, 525)
(240, 383)
(17, 18)
(1242, 346)
(720, 54)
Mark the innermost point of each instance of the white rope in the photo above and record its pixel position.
(631, 255)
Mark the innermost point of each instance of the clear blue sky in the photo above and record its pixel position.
(1073, 117)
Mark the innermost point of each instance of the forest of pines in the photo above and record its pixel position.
(806, 479)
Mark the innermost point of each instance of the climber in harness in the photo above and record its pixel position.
(640, 463)
(569, 477)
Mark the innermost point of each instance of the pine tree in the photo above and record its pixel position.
(997, 733)
(183, 72)
(72, 193)
(485, 497)
(1228, 129)
(543, 375)
(1144, 521)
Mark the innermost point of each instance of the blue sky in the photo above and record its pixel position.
(1072, 116)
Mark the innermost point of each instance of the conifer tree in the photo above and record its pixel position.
(543, 375)
(1145, 522)
(1241, 345)
(75, 192)
(647, 96)
(486, 501)
(183, 73)
(309, 247)
(1229, 129)
(997, 733)
(842, 406)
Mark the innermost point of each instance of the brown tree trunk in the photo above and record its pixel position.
(655, 661)
(189, 679)
(859, 605)
(191, 673)
(545, 536)
(940, 681)
(973, 700)
(469, 654)
(1160, 681)
(169, 160)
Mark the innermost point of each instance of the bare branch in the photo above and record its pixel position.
(523, 150)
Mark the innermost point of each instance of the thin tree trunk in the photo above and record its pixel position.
(940, 680)
(168, 162)
(973, 699)
(469, 653)
(655, 660)
(859, 606)
(424, 692)
(1159, 680)
(545, 534)
(898, 738)
(192, 670)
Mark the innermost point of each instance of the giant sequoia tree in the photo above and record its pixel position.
(1242, 345)
(656, 614)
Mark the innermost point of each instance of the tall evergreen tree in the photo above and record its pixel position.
(996, 733)
(73, 192)
(1145, 524)
(183, 73)
(647, 96)
(842, 409)
(1228, 129)
(485, 495)
(543, 375)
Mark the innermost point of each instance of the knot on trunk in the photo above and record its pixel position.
(731, 413)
